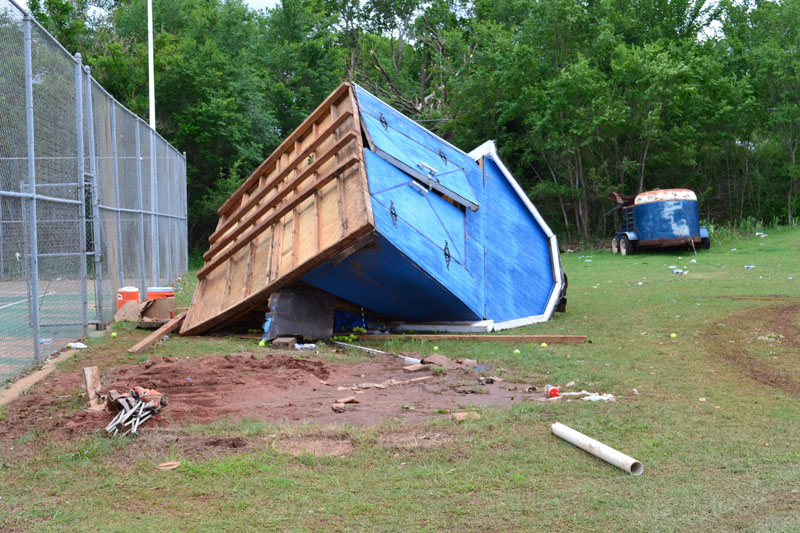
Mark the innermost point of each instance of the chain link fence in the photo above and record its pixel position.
(91, 198)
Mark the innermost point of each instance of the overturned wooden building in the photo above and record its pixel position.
(366, 204)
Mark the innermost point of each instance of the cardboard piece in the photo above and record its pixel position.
(159, 309)
(129, 312)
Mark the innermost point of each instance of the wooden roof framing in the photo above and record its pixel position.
(305, 203)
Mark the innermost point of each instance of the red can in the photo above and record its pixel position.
(552, 391)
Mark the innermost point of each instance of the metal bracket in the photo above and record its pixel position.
(443, 156)
(432, 171)
(384, 122)
(447, 255)
(393, 212)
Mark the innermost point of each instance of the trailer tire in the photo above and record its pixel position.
(625, 246)
(615, 245)
(705, 243)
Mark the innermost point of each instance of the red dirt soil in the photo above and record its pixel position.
(276, 388)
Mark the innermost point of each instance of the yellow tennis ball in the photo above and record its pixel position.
(673, 336)
(544, 345)
(516, 351)
(435, 348)
(262, 343)
(113, 334)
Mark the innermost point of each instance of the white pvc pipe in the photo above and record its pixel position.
(598, 449)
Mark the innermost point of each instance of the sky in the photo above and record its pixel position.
(261, 4)
(255, 4)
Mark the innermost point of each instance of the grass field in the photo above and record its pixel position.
(728, 463)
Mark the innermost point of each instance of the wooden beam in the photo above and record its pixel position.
(289, 188)
(321, 110)
(152, 339)
(258, 194)
(283, 280)
(549, 339)
(285, 208)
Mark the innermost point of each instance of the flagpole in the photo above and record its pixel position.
(150, 68)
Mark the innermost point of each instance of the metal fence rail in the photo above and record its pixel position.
(91, 198)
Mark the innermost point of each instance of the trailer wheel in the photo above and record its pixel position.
(705, 243)
(625, 246)
(615, 245)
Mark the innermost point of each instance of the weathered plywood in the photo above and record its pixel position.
(304, 203)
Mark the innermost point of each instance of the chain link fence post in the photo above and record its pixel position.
(114, 155)
(81, 191)
(97, 238)
(142, 262)
(154, 210)
(33, 239)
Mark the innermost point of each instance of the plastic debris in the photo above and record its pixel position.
(552, 391)
(76, 345)
(749, 267)
(305, 346)
(679, 271)
(693, 261)
(591, 396)
(733, 249)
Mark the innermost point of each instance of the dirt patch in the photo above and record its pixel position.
(401, 441)
(161, 444)
(318, 447)
(781, 320)
(275, 388)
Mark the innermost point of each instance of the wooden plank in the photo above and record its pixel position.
(285, 208)
(314, 117)
(286, 168)
(152, 339)
(238, 226)
(256, 298)
(549, 339)
(360, 146)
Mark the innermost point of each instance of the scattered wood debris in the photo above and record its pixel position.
(416, 368)
(338, 408)
(386, 384)
(442, 361)
(465, 416)
(349, 399)
(169, 465)
(91, 377)
(135, 408)
(154, 338)
(284, 343)
(549, 339)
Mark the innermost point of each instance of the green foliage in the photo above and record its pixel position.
(584, 98)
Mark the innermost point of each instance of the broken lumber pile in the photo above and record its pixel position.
(135, 408)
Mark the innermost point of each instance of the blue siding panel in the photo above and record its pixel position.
(420, 234)
(519, 274)
(409, 143)
(384, 280)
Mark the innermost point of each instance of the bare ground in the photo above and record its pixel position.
(275, 388)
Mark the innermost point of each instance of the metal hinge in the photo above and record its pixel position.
(393, 212)
(447, 254)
